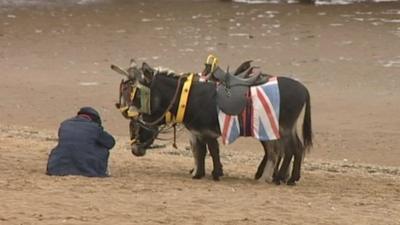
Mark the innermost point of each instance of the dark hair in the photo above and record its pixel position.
(92, 113)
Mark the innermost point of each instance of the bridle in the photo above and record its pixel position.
(125, 110)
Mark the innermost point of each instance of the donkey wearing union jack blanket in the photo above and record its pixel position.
(201, 119)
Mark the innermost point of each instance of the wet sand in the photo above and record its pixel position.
(56, 59)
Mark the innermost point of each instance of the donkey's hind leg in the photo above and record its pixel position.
(199, 153)
(261, 167)
(287, 151)
(282, 173)
(298, 151)
(271, 157)
(213, 147)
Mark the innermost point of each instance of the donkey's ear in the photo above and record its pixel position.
(133, 63)
(148, 72)
(119, 70)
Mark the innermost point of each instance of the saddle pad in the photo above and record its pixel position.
(260, 119)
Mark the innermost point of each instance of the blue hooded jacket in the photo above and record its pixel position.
(83, 149)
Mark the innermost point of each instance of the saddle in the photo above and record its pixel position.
(232, 90)
(242, 68)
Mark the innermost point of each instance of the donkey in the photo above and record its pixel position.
(202, 122)
(289, 145)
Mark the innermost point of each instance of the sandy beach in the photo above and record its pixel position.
(56, 58)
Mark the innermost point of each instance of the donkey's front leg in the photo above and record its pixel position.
(261, 166)
(213, 147)
(199, 153)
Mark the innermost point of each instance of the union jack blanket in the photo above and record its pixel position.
(260, 119)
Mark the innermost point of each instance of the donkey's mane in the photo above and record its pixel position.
(166, 72)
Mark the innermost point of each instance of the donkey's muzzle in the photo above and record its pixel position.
(137, 150)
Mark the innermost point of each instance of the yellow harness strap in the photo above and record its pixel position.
(184, 98)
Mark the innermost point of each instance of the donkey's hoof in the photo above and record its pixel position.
(276, 181)
(293, 180)
(279, 179)
(197, 176)
(216, 174)
(268, 180)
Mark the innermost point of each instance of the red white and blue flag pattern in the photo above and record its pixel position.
(260, 119)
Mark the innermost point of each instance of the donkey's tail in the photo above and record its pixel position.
(307, 128)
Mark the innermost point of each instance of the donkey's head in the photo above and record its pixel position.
(127, 89)
(156, 93)
(142, 136)
(132, 106)
(144, 132)
(146, 99)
